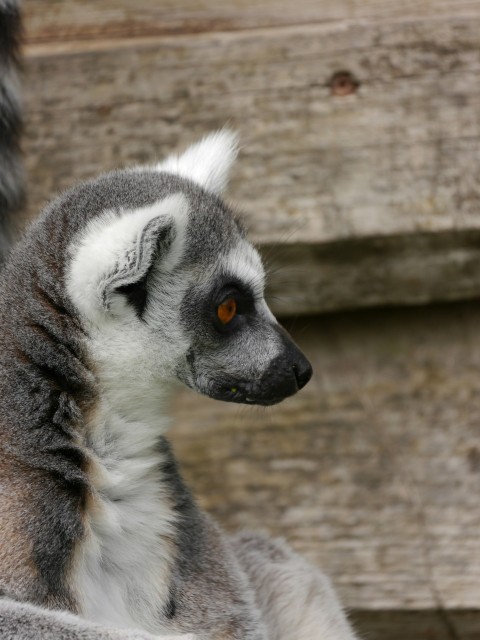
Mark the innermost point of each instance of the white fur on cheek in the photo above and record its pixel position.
(208, 162)
(105, 245)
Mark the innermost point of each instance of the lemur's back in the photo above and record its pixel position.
(45, 389)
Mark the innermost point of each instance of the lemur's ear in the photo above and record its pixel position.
(208, 162)
(116, 252)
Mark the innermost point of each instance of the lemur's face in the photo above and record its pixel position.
(236, 349)
(173, 290)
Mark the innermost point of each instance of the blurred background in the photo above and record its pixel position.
(359, 179)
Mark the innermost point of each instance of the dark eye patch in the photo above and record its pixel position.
(244, 303)
(201, 301)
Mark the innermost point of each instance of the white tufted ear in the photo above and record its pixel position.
(208, 162)
(117, 250)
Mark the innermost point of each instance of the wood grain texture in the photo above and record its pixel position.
(396, 159)
(417, 625)
(412, 268)
(64, 20)
(373, 470)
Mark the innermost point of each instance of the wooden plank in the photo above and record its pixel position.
(49, 21)
(410, 269)
(311, 161)
(396, 159)
(372, 471)
(417, 625)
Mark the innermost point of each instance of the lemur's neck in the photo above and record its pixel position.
(128, 423)
(127, 556)
(129, 384)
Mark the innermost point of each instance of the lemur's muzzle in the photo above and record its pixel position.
(285, 374)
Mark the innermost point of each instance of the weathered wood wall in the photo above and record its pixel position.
(360, 180)
(365, 175)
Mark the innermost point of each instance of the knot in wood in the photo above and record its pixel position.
(343, 83)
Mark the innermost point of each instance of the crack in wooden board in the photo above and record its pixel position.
(49, 21)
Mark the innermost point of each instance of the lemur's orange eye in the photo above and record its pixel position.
(227, 310)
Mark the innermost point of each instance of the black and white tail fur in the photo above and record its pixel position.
(11, 173)
(122, 288)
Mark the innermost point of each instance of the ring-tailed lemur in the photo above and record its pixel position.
(124, 286)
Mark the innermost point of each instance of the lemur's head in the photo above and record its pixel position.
(170, 288)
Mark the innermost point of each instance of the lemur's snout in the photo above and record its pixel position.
(290, 371)
(276, 379)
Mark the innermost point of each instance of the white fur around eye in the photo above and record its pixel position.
(244, 261)
(208, 163)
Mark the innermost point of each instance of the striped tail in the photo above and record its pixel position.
(11, 169)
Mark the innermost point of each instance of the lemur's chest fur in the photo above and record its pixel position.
(124, 563)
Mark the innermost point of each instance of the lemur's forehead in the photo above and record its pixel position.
(243, 262)
(212, 230)
(216, 238)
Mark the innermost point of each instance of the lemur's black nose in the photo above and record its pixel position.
(290, 361)
(303, 371)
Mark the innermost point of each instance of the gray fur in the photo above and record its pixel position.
(51, 386)
(11, 169)
(21, 621)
